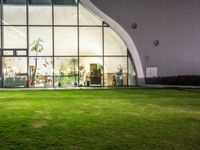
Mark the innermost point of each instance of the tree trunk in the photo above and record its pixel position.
(35, 70)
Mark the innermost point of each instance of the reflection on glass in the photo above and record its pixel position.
(115, 73)
(66, 71)
(65, 2)
(14, 1)
(90, 41)
(91, 71)
(15, 37)
(40, 2)
(66, 41)
(15, 74)
(40, 72)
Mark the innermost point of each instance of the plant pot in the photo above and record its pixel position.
(59, 84)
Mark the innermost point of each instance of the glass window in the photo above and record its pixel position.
(40, 72)
(0, 35)
(15, 37)
(115, 71)
(66, 41)
(35, 2)
(87, 18)
(65, 2)
(1, 19)
(15, 74)
(1, 69)
(66, 71)
(91, 41)
(14, 15)
(14, 1)
(91, 71)
(21, 53)
(65, 15)
(40, 15)
(118, 71)
(44, 36)
(8, 53)
(132, 73)
(113, 45)
(0, 44)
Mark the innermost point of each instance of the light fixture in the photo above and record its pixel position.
(134, 26)
(156, 43)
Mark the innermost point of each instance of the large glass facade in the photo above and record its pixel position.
(59, 43)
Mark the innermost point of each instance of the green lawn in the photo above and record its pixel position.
(120, 119)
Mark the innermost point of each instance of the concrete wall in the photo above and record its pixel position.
(175, 23)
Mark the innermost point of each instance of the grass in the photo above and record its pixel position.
(120, 119)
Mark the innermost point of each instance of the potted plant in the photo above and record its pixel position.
(37, 47)
(100, 69)
(61, 70)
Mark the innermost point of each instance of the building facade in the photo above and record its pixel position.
(60, 43)
(166, 35)
(67, 43)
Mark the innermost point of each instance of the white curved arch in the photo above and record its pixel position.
(123, 34)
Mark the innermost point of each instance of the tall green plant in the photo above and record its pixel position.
(100, 69)
(37, 47)
(73, 62)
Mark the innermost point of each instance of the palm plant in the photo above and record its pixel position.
(37, 47)
(100, 69)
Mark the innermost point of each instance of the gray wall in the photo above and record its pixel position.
(175, 23)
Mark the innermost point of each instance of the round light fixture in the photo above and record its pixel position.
(156, 43)
(134, 26)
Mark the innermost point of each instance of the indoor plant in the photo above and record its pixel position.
(37, 47)
(74, 62)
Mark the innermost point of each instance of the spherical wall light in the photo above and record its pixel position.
(156, 43)
(134, 26)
